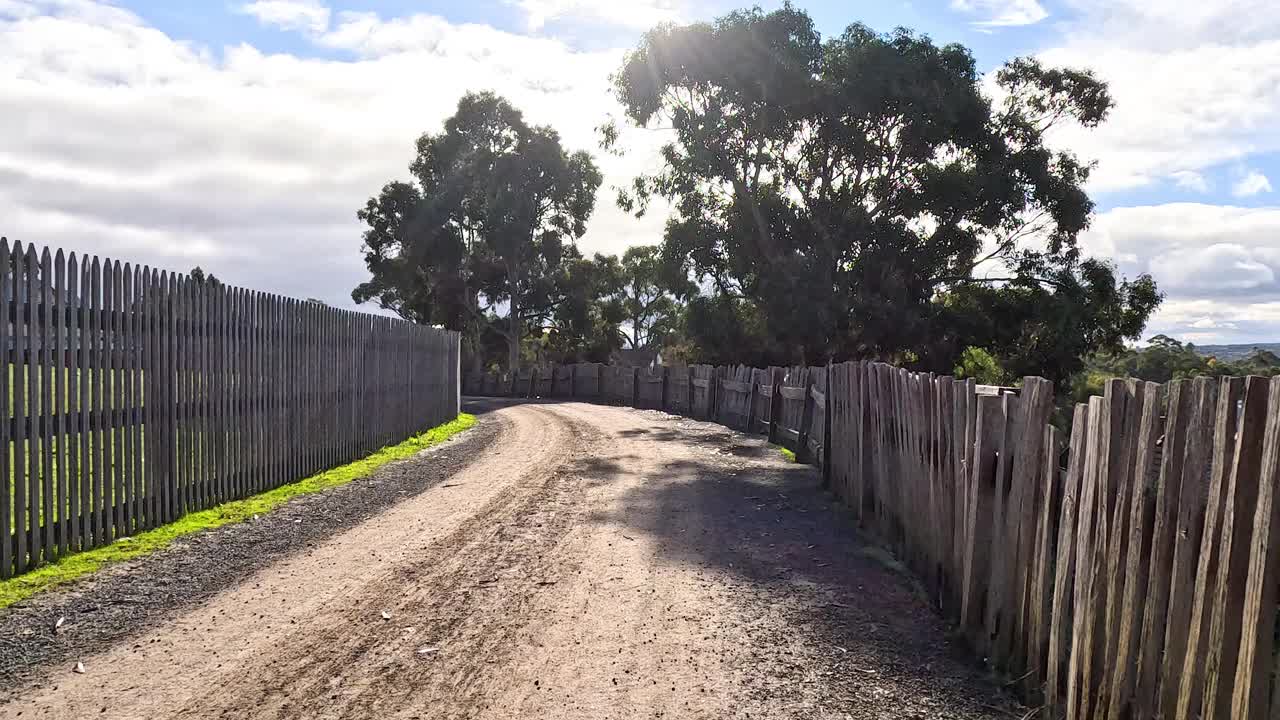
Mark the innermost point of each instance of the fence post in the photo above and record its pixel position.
(806, 419)
(713, 394)
(829, 402)
(688, 395)
(635, 387)
(666, 380)
(573, 380)
(775, 410)
(751, 402)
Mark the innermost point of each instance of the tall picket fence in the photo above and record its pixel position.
(1128, 570)
(135, 396)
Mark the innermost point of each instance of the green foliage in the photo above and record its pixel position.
(79, 564)
(648, 299)
(853, 195)
(584, 326)
(1165, 359)
(199, 276)
(1043, 328)
(480, 240)
(723, 330)
(979, 365)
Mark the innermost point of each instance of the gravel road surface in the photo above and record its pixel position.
(561, 560)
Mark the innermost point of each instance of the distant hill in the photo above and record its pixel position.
(1232, 353)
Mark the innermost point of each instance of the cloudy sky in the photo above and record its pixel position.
(242, 135)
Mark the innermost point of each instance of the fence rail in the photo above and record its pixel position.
(1130, 570)
(135, 396)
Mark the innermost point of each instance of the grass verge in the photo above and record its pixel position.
(787, 454)
(80, 564)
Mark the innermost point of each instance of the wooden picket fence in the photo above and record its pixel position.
(1130, 570)
(136, 396)
(787, 404)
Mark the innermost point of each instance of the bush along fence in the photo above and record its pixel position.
(1130, 570)
(136, 396)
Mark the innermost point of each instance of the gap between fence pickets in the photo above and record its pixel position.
(1137, 580)
(138, 395)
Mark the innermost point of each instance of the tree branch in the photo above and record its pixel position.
(962, 279)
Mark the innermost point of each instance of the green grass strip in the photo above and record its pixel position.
(786, 454)
(80, 564)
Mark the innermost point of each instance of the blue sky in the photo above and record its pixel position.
(241, 135)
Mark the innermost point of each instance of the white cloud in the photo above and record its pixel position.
(635, 14)
(1214, 263)
(309, 15)
(1002, 13)
(1190, 180)
(123, 141)
(1212, 322)
(1195, 89)
(1207, 323)
(1219, 269)
(1251, 184)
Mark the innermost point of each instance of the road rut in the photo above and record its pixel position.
(590, 562)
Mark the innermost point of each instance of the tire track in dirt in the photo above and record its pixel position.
(453, 606)
(305, 637)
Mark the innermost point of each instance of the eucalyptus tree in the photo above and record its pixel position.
(844, 188)
(479, 238)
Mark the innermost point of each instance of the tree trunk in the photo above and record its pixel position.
(513, 341)
(472, 329)
(513, 327)
(475, 360)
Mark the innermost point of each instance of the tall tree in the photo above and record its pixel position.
(482, 232)
(842, 188)
(585, 326)
(648, 298)
(198, 275)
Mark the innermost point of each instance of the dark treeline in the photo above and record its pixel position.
(856, 196)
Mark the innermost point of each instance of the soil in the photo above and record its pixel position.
(561, 560)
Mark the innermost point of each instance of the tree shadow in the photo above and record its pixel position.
(794, 555)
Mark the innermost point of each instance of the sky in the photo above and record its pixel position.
(243, 135)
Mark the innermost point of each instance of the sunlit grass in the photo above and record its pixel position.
(80, 564)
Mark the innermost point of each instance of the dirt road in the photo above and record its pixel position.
(585, 562)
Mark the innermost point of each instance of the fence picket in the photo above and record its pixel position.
(48, 519)
(1183, 691)
(1057, 665)
(8, 488)
(122, 421)
(1140, 528)
(34, 484)
(1254, 666)
(84, 467)
(137, 396)
(1160, 565)
(66, 496)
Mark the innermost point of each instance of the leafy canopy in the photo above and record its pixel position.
(843, 187)
(480, 238)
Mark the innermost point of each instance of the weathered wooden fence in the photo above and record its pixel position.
(1128, 571)
(741, 397)
(136, 396)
